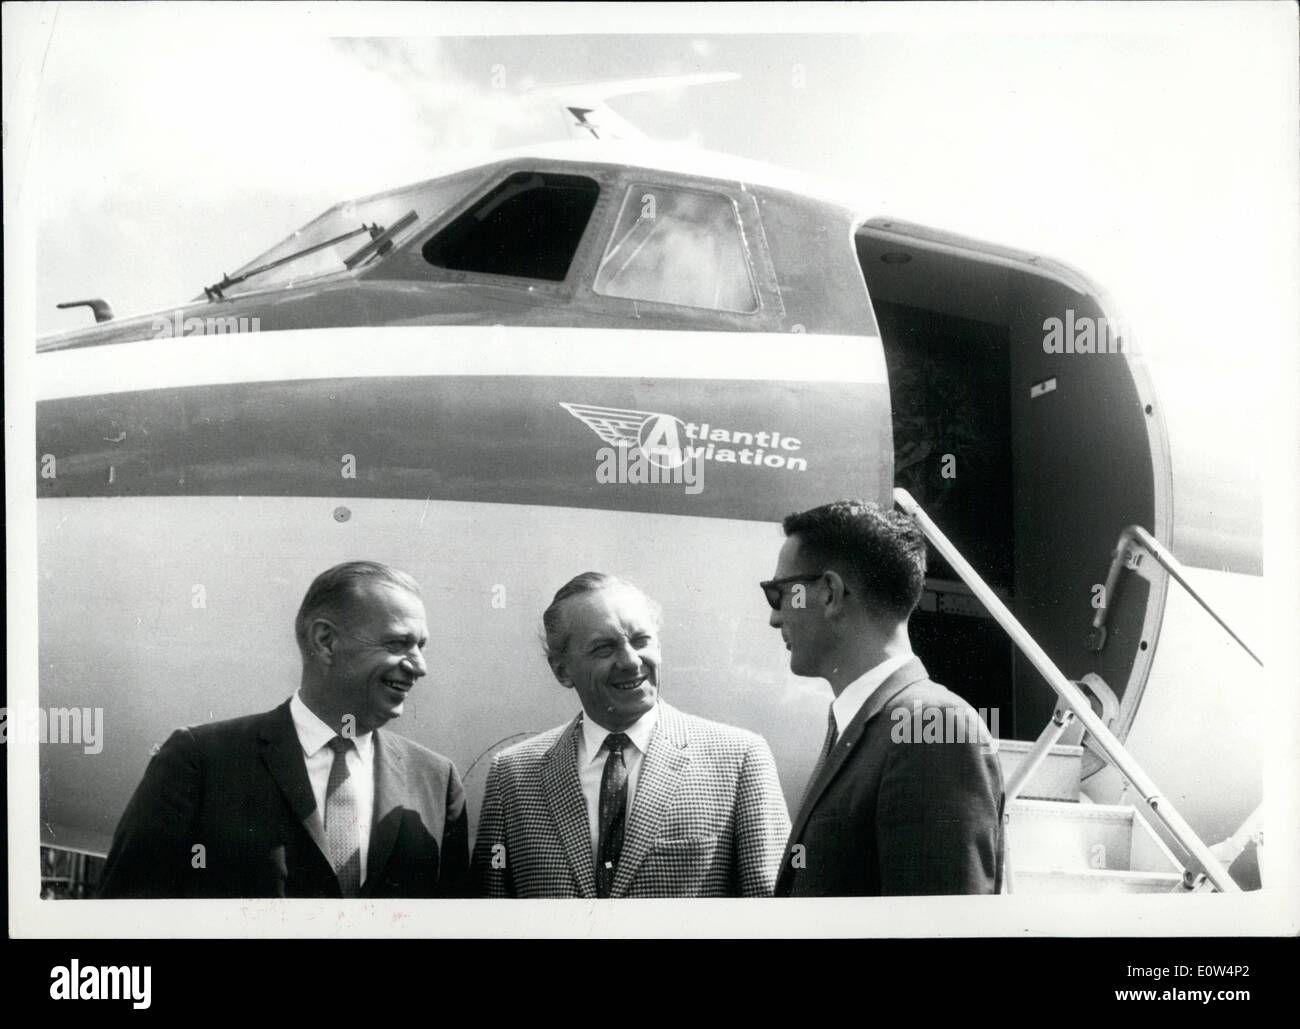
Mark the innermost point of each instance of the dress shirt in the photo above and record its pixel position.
(851, 700)
(592, 756)
(314, 736)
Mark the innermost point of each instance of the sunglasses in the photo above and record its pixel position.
(773, 589)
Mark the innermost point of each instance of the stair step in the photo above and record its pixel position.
(1093, 880)
(1057, 778)
(1054, 835)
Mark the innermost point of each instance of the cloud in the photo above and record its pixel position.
(211, 148)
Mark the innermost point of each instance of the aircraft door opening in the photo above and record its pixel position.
(1031, 456)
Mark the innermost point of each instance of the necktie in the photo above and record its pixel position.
(827, 746)
(342, 837)
(613, 813)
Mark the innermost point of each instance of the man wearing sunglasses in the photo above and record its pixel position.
(885, 812)
(314, 798)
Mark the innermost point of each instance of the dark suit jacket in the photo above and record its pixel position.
(240, 790)
(708, 818)
(894, 814)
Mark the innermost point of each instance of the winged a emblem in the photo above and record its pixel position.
(614, 425)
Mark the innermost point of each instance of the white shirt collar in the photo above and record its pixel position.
(855, 695)
(314, 733)
(639, 733)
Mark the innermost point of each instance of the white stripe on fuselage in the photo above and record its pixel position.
(369, 351)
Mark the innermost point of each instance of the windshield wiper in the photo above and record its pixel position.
(216, 291)
(381, 243)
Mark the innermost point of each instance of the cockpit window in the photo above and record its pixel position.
(528, 227)
(324, 244)
(675, 246)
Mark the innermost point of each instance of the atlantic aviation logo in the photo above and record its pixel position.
(667, 442)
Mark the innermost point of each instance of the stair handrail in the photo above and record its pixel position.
(1167, 561)
(1033, 760)
(1102, 738)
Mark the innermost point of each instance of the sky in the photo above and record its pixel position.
(171, 143)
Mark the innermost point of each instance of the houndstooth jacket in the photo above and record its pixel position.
(709, 818)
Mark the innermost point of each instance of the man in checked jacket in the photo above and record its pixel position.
(632, 798)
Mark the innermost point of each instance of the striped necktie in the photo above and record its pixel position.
(342, 835)
(613, 813)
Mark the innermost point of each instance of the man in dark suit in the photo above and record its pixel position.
(632, 798)
(906, 796)
(312, 799)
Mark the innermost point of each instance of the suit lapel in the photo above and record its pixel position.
(282, 755)
(568, 806)
(903, 677)
(390, 796)
(661, 771)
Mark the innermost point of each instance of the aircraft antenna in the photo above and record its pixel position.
(588, 116)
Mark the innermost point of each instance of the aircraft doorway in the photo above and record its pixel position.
(952, 444)
(1031, 456)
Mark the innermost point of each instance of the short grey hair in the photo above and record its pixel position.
(335, 588)
(555, 627)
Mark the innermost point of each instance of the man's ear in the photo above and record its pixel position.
(321, 641)
(835, 593)
(560, 671)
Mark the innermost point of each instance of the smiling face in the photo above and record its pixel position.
(377, 656)
(612, 655)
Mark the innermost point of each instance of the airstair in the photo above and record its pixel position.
(1057, 840)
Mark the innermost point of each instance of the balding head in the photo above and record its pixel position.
(555, 628)
(602, 641)
(337, 589)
